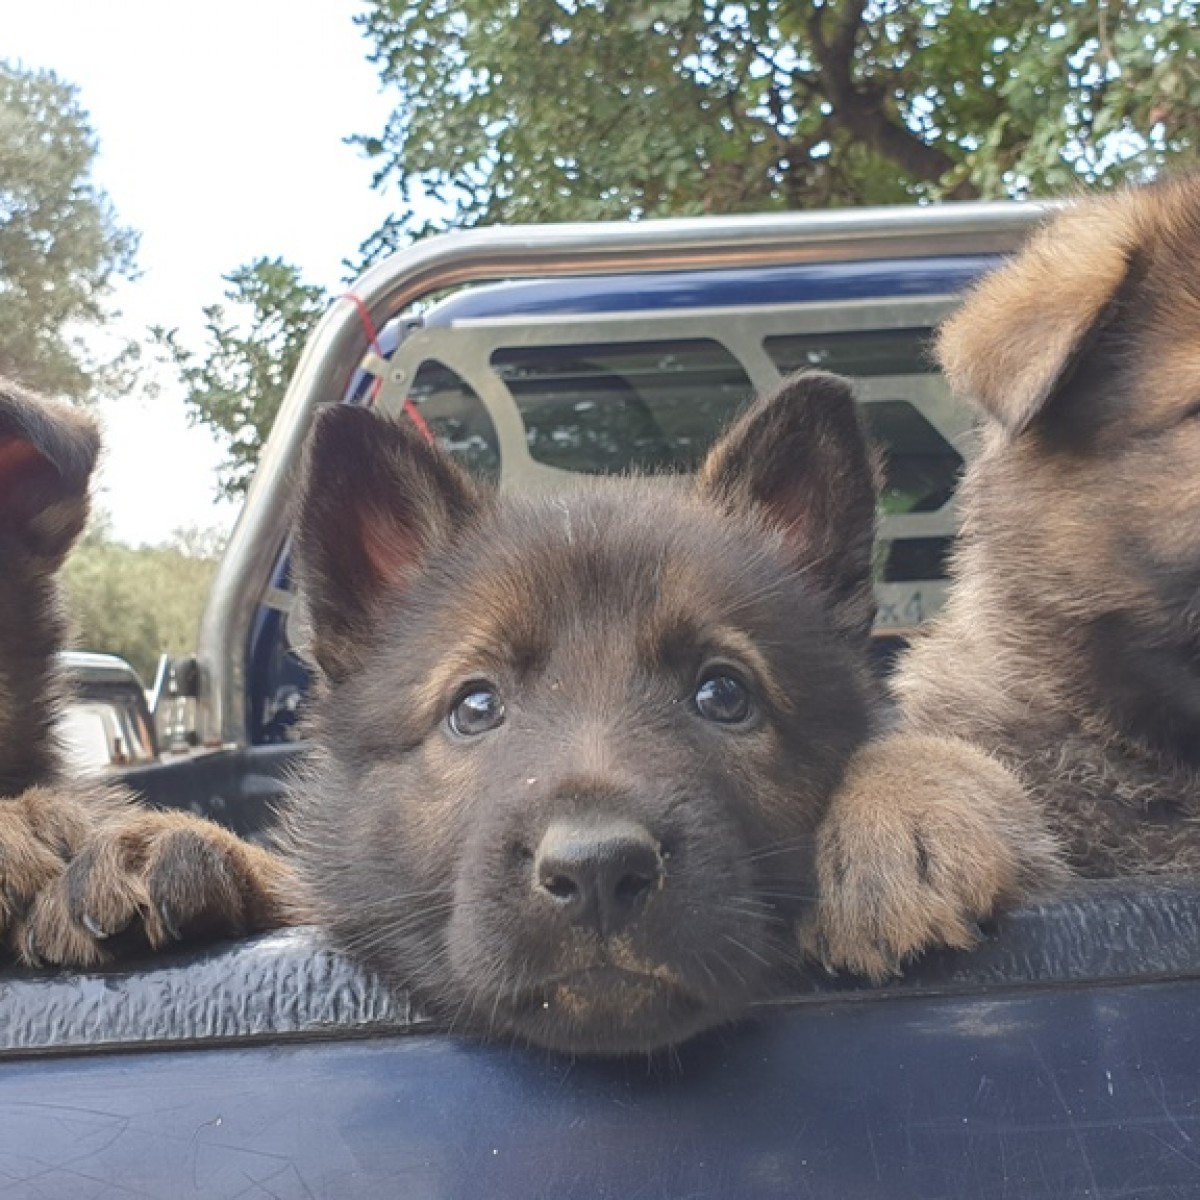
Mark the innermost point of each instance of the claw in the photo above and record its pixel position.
(32, 957)
(169, 923)
(93, 927)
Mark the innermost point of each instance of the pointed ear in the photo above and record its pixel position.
(47, 454)
(375, 499)
(1015, 341)
(800, 458)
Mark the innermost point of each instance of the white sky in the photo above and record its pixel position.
(220, 128)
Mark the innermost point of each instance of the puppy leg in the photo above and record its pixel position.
(175, 875)
(926, 837)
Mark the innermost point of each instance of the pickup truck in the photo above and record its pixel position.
(1060, 1059)
(108, 721)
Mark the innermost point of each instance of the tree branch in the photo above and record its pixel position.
(862, 110)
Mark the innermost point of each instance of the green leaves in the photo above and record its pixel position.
(140, 603)
(60, 245)
(553, 110)
(253, 342)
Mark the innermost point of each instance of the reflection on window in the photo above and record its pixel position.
(921, 467)
(921, 471)
(659, 406)
(647, 406)
(457, 417)
(912, 560)
(878, 352)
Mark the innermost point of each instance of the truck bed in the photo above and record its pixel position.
(1058, 1060)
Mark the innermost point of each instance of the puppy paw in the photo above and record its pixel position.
(926, 837)
(169, 875)
(39, 831)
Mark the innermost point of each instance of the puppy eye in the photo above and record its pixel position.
(477, 709)
(722, 697)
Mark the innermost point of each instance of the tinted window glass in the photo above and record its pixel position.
(921, 467)
(882, 352)
(457, 416)
(650, 406)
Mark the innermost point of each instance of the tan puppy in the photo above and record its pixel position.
(1070, 646)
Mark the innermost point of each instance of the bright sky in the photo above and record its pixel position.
(220, 128)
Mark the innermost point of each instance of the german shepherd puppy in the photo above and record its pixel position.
(578, 753)
(80, 862)
(1070, 645)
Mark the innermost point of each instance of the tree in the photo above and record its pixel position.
(61, 248)
(139, 602)
(532, 110)
(235, 386)
(550, 110)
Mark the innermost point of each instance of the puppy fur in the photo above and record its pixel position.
(80, 862)
(1069, 648)
(604, 640)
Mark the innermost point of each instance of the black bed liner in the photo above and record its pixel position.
(290, 985)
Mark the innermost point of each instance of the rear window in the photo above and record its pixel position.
(647, 406)
(453, 411)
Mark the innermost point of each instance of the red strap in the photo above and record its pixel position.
(372, 333)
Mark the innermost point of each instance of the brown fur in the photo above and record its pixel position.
(80, 862)
(1070, 645)
(926, 838)
(596, 615)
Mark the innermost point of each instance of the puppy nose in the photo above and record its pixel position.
(599, 875)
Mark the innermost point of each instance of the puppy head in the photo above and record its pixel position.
(1085, 503)
(1105, 285)
(46, 457)
(47, 454)
(575, 747)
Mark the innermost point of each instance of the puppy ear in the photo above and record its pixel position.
(375, 499)
(800, 458)
(1016, 340)
(47, 454)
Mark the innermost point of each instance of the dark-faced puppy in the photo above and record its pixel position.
(575, 748)
(1070, 646)
(79, 862)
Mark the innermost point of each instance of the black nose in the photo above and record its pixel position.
(598, 874)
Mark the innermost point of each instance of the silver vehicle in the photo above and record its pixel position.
(107, 722)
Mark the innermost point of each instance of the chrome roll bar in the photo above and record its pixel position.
(337, 345)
